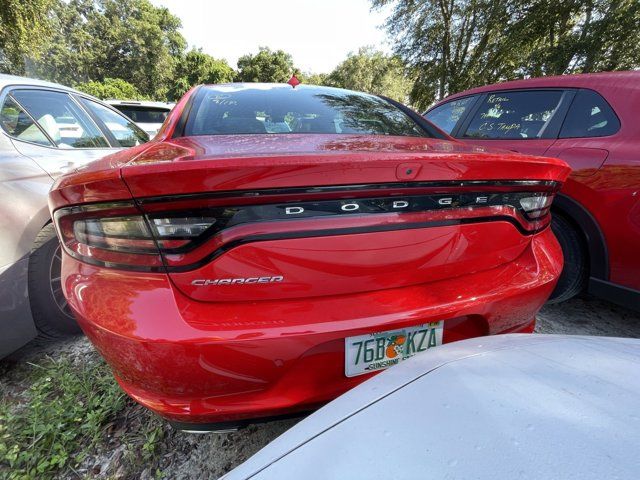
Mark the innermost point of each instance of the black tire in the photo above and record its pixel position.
(51, 314)
(575, 273)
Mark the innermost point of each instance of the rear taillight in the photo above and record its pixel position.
(117, 235)
(113, 235)
(123, 234)
(537, 206)
(183, 233)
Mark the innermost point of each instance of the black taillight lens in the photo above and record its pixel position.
(118, 235)
(114, 235)
(123, 234)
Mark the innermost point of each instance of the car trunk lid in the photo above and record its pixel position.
(312, 215)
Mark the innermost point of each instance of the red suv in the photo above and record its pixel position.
(590, 122)
(273, 246)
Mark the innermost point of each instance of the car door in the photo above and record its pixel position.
(580, 141)
(523, 121)
(603, 155)
(68, 136)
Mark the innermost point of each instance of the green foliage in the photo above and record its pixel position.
(314, 78)
(578, 36)
(111, 88)
(24, 28)
(266, 66)
(441, 46)
(453, 45)
(62, 416)
(127, 39)
(373, 72)
(197, 67)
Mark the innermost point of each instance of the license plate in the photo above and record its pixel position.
(377, 351)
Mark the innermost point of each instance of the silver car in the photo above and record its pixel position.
(45, 130)
(501, 407)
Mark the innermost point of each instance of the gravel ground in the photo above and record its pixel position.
(588, 316)
(190, 456)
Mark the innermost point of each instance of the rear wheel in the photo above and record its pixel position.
(575, 272)
(51, 313)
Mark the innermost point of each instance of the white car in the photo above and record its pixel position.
(149, 116)
(46, 130)
(500, 407)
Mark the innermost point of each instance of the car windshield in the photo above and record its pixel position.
(144, 114)
(262, 109)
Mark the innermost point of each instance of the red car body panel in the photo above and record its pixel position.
(216, 362)
(196, 354)
(605, 178)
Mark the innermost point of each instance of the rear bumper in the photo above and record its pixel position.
(199, 362)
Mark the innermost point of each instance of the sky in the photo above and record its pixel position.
(317, 33)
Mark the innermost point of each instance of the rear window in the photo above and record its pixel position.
(514, 115)
(143, 114)
(589, 116)
(259, 109)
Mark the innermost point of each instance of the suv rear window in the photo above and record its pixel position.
(589, 116)
(514, 115)
(257, 109)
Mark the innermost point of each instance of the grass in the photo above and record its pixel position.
(69, 411)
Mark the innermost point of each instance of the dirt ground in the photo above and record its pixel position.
(189, 456)
(588, 316)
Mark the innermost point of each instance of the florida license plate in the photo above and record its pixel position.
(377, 351)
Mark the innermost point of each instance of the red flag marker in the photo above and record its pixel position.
(293, 81)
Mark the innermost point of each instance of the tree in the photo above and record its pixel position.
(373, 72)
(111, 88)
(314, 78)
(453, 45)
(579, 36)
(127, 39)
(266, 66)
(197, 67)
(24, 28)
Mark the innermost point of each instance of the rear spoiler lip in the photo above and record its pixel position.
(116, 190)
(391, 187)
(58, 199)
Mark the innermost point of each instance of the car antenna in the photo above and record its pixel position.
(293, 81)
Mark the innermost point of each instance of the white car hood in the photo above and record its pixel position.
(504, 407)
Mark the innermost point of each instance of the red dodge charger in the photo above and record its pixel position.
(274, 246)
